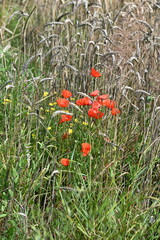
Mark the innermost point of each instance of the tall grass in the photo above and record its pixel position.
(113, 193)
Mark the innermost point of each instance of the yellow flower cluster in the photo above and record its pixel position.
(6, 100)
(52, 104)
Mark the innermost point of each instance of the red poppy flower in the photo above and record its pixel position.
(109, 103)
(94, 93)
(102, 97)
(101, 102)
(86, 148)
(62, 102)
(99, 115)
(94, 73)
(95, 113)
(115, 111)
(92, 112)
(65, 118)
(84, 101)
(66, 93)
(65, 161)
(96, 105)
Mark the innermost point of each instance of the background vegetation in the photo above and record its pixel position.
(113, 193)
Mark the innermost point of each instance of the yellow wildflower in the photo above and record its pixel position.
(70, 131)
(52, 109)
(6, 100)
(72, 99)
(33, 135)
(76, 120)
(45, 94)
(49, 128)
(51, 104)
(85, 123)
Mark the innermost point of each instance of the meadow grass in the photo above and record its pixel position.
(113, 192)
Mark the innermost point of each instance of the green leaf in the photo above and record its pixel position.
(3, 215)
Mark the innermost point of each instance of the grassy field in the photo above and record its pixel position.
(50, 186)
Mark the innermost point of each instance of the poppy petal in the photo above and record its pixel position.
(84, 101)
(109, 103)
(86, 148)
(66, 93)
(94, 73)
(96, 105)
(65, 118)
(65, 161)
(115, 111)
(103, 97)
(95, 113)
(62, 102)
(94, 93)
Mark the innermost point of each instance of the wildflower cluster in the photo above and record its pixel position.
(6, 101)
(95, 101)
